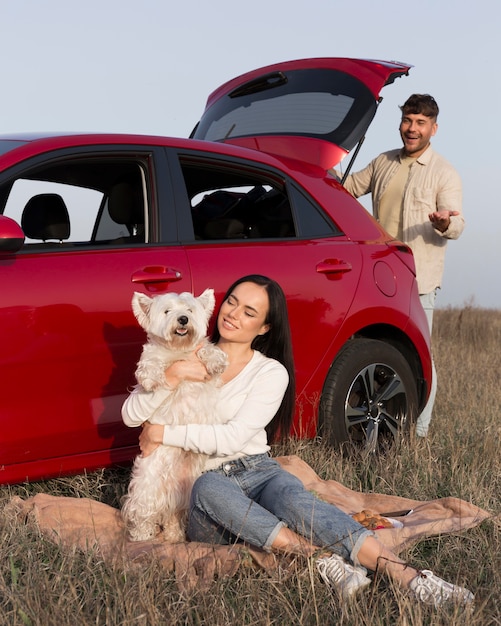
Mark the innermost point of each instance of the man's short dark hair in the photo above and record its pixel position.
(420, 104)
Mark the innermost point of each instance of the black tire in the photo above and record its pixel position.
(369, 397)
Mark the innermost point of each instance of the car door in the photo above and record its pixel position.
(69, 339)
(250, 219)
(315, 110)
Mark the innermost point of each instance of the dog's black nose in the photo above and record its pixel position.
(182, 320)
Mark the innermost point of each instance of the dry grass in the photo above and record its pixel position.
(43, 585)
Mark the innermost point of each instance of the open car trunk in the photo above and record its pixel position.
(313, 110)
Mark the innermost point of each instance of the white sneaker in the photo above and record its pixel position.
(431, 589)
(340, 575)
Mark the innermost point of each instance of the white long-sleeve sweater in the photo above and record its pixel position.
(247, 403)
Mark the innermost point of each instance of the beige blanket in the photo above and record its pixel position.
(85, 524)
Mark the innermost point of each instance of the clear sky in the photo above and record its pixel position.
(148, 66)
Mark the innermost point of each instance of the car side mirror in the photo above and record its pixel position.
(11, 235)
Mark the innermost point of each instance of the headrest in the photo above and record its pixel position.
(125, 204)
(45, 216)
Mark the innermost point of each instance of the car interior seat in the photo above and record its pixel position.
(45, 217)
(216, 216)
(126, 207)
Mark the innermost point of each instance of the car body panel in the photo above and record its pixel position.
(77, 347)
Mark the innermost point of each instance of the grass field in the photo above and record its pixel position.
(40, 584)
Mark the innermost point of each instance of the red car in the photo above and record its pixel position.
(86, 220)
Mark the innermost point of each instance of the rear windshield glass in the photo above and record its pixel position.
(325, 104)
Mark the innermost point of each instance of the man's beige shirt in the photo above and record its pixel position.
(433, 185)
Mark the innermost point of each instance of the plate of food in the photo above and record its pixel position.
(377, 521)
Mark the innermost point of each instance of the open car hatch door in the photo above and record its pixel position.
(313, 110)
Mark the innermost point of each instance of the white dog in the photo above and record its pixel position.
(160, 486)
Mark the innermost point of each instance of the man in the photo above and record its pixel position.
(416, 197)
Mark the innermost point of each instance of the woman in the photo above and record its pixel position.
(244, 495)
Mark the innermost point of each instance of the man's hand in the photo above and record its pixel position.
(442, 219)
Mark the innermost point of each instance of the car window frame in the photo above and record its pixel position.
(258, 170)
(151, 158)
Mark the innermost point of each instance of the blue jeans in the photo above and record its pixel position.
(424, 419)
(252, 498)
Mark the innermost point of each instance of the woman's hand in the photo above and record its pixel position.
(191, 369)
(150, 438)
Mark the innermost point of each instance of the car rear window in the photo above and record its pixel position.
(321, 103)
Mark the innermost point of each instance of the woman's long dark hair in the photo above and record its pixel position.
(276, 344)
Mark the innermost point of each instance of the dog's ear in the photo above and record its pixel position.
(141, 305)
(208, 301)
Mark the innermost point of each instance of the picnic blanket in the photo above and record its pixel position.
(88, 525)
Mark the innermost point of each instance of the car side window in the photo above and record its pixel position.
(79, 202)
(242, 212)
(232, 202)
(311, 220)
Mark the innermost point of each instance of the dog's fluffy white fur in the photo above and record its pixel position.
(160, 486)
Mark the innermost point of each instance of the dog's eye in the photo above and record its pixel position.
(190, 311)
(166, 311)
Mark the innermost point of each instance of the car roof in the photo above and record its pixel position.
(19, 146)
(316, 110)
